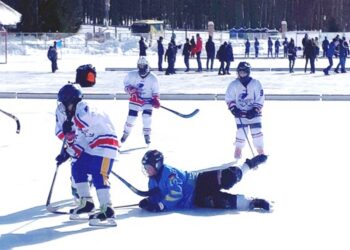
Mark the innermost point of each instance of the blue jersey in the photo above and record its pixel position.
(176, 186)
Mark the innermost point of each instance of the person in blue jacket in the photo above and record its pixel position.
(174, 189)
(330, 53)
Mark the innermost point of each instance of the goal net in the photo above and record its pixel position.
(3, 47)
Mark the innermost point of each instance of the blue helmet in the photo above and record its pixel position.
(153, 158)
(244, 66)
(70, 94)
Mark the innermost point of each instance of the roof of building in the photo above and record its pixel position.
(8, 16)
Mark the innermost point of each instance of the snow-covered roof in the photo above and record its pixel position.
(8, 16)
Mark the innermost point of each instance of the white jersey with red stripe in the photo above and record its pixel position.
(146, 87)
(94, 132)
(245, 98)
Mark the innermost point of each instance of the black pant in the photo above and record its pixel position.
(208, 194)
(54, 65)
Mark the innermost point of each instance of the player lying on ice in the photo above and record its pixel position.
(179, 189)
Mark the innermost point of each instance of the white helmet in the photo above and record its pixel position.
(142, 65)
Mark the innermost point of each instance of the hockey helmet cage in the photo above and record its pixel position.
(153, 158)
(70, 94)
(143, 67)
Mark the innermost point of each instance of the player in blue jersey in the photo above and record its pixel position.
(177, 189)
(245, 99)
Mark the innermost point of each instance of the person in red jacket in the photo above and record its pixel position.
(199, 45)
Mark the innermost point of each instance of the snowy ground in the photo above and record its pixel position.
(305, 175)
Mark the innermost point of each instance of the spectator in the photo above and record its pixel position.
(285, 47)
(247, 48)
(186, 53)
(52, 55)
(160, 53)
(325, 45)
(199, 45)
(143, 47)
(256, 47)
(277, 47)
(292, 54)
(330, 54)
(193, 47)
(269, 47)
(210, 49)
(221, 56)
(229, 57)
(170, 56)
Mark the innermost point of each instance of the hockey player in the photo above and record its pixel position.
(245, 99)
(177, 189)
(91, 140)
(143, 88)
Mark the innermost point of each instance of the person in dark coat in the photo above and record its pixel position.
(229, 57)
(221, 56)
(277, 47)
(247, 48)
(285, 47)
(52, 55)
(330, 53)
(142, 47)
(186, 53)
(269, 47)
(170, 56)
(325, 45)
(343, 53)
(160, 53)
(256, 47)
(210, 49)
(193, 46)
(310, 54)
(292, 54)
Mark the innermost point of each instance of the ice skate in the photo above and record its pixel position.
(260, 204)
(85, 207)
(105, 217)
(124, 137)
(147, 139)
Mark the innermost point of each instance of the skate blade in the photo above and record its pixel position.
(110, 222)
(82, 216)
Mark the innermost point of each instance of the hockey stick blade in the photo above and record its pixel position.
(15, 118)
(132, 188)
(180, 114)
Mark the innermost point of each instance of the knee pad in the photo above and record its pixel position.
(230, 176)
(147, 112)
(132, 112)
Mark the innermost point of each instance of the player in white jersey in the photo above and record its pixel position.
(143, 88)
(92, 142)
(245, 99)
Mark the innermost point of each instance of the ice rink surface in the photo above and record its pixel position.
(306, 175)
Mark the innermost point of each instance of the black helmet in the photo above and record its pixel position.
(153, 158)
(244, 66)
(69, 94)
(142, 65)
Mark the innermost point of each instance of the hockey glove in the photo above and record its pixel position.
(155, 102)
(67, 126)
(256, 160)
(131, 90)
(252, 113)
(151, 207)
(134, 98)
(235, 111)
(70, 137)
(62, 157)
